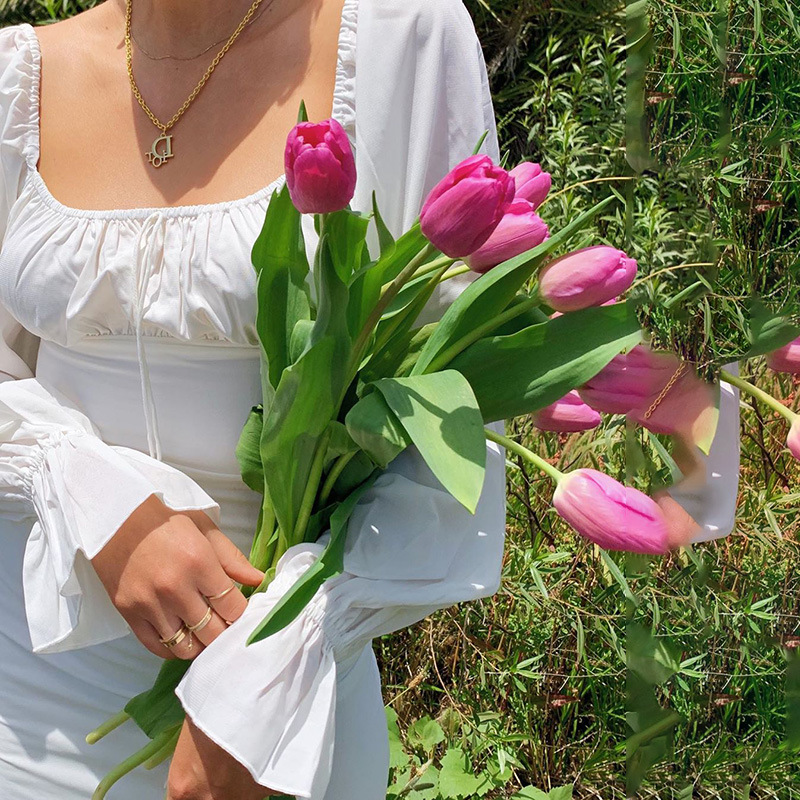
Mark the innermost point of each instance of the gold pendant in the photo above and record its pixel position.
(156, 157)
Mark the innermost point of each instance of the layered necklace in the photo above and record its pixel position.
(161, 150)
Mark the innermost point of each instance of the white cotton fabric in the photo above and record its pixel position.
(709, 494)
(130, 362)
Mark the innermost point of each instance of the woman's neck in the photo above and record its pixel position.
(184, 27)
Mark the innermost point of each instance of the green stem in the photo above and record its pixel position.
(333, 476)
(528, 455)
(759, 394)
(314, 478)
(435, 266)
(165, 752)
(130, 764)
(390, 327)
(446, 356)
(109, 725)
(658, 729)
(383, 303)
(455, 272)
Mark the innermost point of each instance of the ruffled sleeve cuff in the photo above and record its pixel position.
(78, 490)
(411, 549)
(710, 493)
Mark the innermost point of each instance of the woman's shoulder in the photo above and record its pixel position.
(425, 17)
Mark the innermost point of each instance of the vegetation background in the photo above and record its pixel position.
(593, 675)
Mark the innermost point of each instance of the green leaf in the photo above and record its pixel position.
(530, 793)
(520, 373)
(425, 733)
(279, 258)
(490, 294)
(440, 414)
(300, 339)
(348, 241)
(376, 429)
(248, 450)
(159, 709)
(385, 238)
(301, 410)
(456, 778)
(329, 563)
(398, 758)
(768, 331)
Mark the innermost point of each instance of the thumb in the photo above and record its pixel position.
(233, 560)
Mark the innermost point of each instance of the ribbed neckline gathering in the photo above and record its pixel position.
(343, 112)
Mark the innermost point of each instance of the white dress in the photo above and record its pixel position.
(129, 361)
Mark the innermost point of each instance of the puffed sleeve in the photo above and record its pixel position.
(56, 474)
(411, 547)
(710, 491)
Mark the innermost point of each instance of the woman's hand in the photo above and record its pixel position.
(201, 770)
(160, 566)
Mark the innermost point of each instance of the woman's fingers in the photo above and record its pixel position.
(149, 637)
(232, 559)
(207, 623)
(231, 605)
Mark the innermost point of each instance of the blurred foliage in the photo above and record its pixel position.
(597, 675)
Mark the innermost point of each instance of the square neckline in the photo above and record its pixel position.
(185, 210)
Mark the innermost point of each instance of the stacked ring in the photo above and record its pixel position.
(221, 594)
(177, 638)
(203, 622)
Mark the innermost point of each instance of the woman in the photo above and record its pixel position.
(131, 361)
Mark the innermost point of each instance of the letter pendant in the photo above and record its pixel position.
(156, 157)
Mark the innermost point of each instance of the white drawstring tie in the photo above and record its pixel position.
(148, 249)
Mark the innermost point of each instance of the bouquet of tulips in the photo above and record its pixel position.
(350, 378)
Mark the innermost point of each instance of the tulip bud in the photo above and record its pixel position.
(567, 415)
(793, 440)
(519, 230)
(465, 207)
(614, 516)
(786, 358)
(628, 381)
(320, 167)
(586, 278)
(531, 182)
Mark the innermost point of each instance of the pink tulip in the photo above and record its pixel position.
(320, 167)
(520, 229)
(463, 209)
(786, 358)
(586, 278)
(614, 516)
(567, 415)
(628, 381)
(532, 183)
(793, 440)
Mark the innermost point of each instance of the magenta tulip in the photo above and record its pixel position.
(567, 415)
(793, 440)
(614, 516)
(463, 209)
(786, 358)
(586, 278)
(531, 182)
(320, 167)
(520, 229)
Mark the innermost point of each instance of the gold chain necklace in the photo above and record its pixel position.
(152, 57)
(157, 156)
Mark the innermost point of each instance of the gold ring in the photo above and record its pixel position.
(176, 638)
(221, 594)
(203, 622)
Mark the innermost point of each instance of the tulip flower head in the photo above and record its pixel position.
(786, 358)
(320, 167)
(793, 440)
(532, 183)
(611, 515)
(463, 209)
(520, 229)
(585, 278)
(567, 415)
